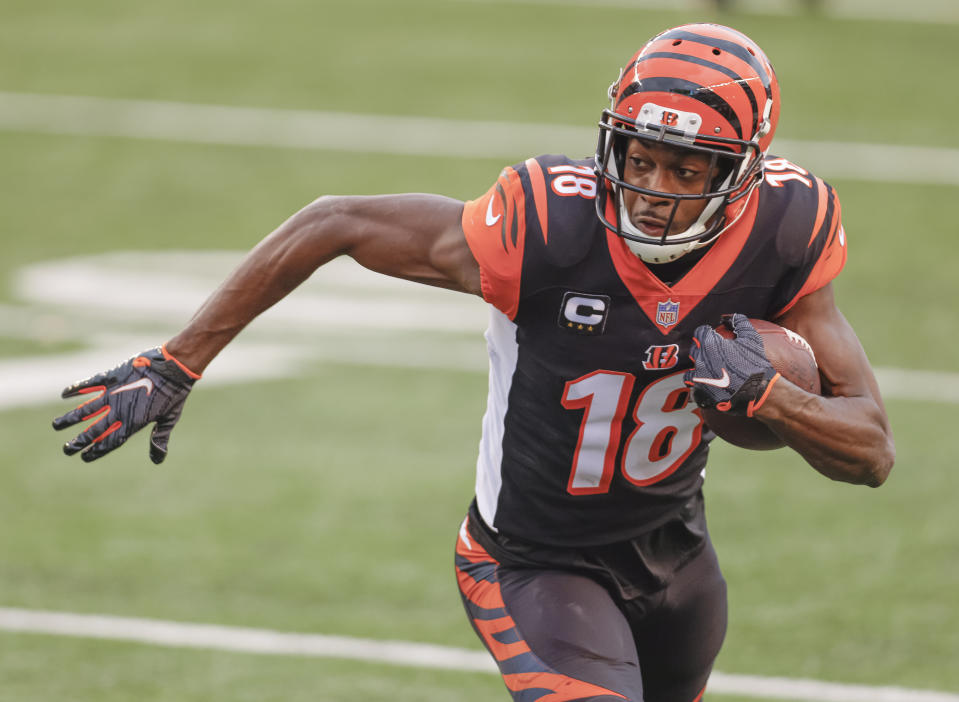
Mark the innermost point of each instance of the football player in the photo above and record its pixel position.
(584, 561)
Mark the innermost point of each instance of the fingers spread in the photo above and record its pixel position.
(112, 439)
(103, 442)
(87, 410)
(94, 382)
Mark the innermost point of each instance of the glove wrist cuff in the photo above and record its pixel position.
(758, 402)
(169, 357)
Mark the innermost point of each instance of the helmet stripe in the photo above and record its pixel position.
(732, 47)
(690, 89)
(739, 80)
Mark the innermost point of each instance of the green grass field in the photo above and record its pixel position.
(329, 502)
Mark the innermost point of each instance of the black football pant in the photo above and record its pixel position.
(560, 634)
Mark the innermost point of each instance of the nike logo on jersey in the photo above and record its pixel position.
(720, 382)
(145, 383)
(490, 219)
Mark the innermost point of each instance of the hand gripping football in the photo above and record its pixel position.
(789, 354)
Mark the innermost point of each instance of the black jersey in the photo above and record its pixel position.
(590, 435)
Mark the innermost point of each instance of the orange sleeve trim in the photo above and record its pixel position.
(168, 356)
(495, 230)
(538, 181)
(517, 215)
(820, 210)
(830, 263)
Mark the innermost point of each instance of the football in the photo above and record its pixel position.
(793, 357)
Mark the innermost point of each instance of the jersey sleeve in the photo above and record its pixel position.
(495, 228)
(817, 253)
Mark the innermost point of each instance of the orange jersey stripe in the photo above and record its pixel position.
(480, 592)
(539, 195)
(564, 688)
(821, 207)
(550, 686)
(488, 628)
(495, 229)
(831, 261)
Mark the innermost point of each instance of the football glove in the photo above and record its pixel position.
(731, 375)
(149, 387)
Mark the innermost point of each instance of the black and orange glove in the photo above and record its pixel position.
(731, 375)
(149, 387)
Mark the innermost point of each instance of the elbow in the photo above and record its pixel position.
(881, 467)
(317, 212)
(317, 226)
(870, 468)
(876, 469)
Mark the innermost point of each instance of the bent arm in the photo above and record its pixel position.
(845, 433)
(415, 236)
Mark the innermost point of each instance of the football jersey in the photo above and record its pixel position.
(590, 435)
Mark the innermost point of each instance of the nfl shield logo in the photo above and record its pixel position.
(667, 313)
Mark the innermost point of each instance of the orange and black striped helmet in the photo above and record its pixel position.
(701, 87)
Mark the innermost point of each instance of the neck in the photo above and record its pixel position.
(672, 272)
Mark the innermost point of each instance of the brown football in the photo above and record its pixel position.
(789, 354)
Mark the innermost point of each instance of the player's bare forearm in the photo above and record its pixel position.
(417, 237)
(844, 438)
(844, 434)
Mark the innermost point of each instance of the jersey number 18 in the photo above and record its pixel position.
(668, 427)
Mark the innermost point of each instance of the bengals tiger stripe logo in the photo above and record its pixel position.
(661, 357)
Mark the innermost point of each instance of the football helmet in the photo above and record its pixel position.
(702, 87)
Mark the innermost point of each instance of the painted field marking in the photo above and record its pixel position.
(401, 653)
(344, 314)
(924, 11)
(423, 136)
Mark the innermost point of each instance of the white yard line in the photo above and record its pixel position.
(344, 314)
(924, 11)
(401, 653)
(424, 136)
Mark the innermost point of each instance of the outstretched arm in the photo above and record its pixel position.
(418, 237)
(845, 433)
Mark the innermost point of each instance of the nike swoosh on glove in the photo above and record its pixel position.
(731, 375)
(149, 387)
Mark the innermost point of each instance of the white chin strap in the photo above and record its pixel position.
(652, 251)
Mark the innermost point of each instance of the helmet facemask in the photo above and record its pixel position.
(733, 174)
